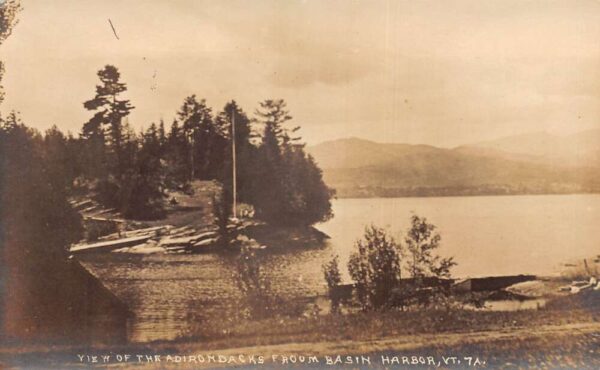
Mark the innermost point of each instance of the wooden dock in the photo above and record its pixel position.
(491, 283)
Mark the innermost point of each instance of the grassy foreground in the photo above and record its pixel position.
(545, 338)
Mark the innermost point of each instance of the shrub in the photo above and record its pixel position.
(421, 242)
(254, 285)
(375, 268)
(221, 205)
(97, 229)
(331, 271)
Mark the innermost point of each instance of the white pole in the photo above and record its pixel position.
(233, 162)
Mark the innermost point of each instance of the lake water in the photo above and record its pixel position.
(491, 235)
(171, 294)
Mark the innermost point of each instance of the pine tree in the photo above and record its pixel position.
(95, 156)
(273, 114)
(176, 157)
(198, 127)
(106, 125)
(288, 187)
(162, 137)
(61, 166)
(268, 192)
(141, 191)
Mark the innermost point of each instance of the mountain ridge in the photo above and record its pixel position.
(360, 167)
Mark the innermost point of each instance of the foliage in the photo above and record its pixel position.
(222, 212)
(8, 17)
(375, 267)
(58, 156)
(34, 199)
(421, 242)
(38, 225)
(260, 302)
(288, 187)
(128, 169)
(175, 154)
(306, 197)
(132, 172)
(333, 278)
(140, 195)
(331, 271)
(282, 183)
(96, 229)
(203, 139)
(8, 20)
(107, 122)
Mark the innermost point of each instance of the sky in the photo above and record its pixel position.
(442, 73)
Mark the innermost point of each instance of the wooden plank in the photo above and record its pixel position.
(102, 219)
(207, 235)
(178, 241)
(82, 204)
(109, 244)
(205, 243)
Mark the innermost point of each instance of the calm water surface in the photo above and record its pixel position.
(171, 294)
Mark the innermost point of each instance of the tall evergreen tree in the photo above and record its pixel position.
(288, 186)
(176, 156)
(106, 126)
(268, 193)
(306, 196)
(141, 191)
(204, 138)
(162, 137)
(273, 114)
(61, 166)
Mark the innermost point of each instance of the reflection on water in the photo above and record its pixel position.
(172, 293)
(167, 293)
(487, 235)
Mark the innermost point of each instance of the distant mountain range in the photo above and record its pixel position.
(537, 163)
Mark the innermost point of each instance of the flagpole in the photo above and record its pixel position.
(234, 163)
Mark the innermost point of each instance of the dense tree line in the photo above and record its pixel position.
(38, 223)
(132, 171)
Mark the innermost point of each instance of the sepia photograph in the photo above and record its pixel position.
(300, 184)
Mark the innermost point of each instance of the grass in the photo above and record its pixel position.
(376, 325)
(569, 350)
(506, 339)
